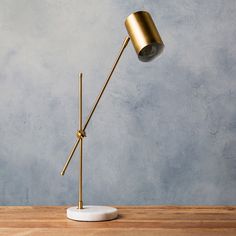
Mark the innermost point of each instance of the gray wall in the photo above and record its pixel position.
(165, 132)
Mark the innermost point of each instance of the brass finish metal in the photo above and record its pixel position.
(80, 102)
(80, 205)
(80, 202)
(70, 156)
(148, 44)
(144, 35)
(125, 43)
(81, 132)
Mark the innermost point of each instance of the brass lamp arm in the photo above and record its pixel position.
(81, 133)
(125, 43)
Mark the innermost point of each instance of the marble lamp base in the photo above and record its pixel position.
(92, 213)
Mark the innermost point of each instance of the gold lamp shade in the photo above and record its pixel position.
(144, 35)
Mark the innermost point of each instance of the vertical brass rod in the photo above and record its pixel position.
(80, 203)
(125, 43)
(80, 101)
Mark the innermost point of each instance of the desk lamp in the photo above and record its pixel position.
(148, 45)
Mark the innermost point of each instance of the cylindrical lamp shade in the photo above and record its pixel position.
(144, 35)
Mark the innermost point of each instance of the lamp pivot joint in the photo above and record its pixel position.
(80, 134)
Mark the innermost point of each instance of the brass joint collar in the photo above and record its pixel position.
(80, 205)
(80, 134)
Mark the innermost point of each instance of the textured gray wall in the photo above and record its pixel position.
(165, 132)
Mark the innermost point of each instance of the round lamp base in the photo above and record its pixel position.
(92, 213)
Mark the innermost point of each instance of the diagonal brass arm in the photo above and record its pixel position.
(125, 43)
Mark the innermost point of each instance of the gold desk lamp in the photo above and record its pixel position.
(148, 45)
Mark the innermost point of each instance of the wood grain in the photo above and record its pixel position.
(133, 220)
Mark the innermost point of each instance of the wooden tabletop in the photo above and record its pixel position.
(132, 220)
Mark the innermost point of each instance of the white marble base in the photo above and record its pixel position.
(92, 213)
